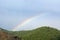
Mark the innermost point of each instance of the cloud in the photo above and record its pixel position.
(31, 5)
(51, 20)
(13, 12)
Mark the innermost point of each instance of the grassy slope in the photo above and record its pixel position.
(20, 33)
(43, 33)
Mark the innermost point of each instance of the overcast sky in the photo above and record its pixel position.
(13, 12)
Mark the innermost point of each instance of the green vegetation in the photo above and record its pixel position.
(42, 33)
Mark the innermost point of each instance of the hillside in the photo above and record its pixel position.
(43, 33)
(5, 35)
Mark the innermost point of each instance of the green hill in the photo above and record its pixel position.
(43, 33)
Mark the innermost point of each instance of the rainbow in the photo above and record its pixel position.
(26, 22)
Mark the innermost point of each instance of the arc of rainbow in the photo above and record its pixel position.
(26, 21)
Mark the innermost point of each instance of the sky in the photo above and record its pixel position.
(14, 12)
